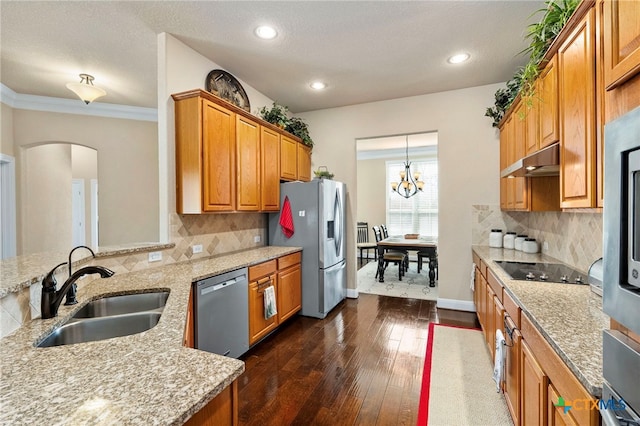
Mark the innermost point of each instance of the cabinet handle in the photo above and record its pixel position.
(508, 330)
(264, 283)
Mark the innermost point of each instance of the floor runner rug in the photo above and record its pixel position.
(413, 285)
(457, 383)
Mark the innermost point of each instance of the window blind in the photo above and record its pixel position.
(418, 214)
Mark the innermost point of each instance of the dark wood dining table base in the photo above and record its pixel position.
(429, 248)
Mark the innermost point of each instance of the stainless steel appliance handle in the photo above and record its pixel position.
(338, 222)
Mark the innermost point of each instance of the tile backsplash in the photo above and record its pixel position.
(217, 233)
(574, 238)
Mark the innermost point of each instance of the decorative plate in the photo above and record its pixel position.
(225, 86)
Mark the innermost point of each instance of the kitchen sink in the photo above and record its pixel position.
(118, 305)
(93, 329)
(108, 317)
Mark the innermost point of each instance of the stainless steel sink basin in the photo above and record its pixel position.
(118, 305)
(93, 329)
(108, 317)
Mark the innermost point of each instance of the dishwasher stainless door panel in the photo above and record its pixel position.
(222, 314)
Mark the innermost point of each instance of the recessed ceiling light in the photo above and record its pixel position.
(318, 85)
(459, 58)
(266, 32)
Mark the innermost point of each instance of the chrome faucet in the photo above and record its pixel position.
(51, 298)
(71, 293)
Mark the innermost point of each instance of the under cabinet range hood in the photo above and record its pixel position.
(545, 162)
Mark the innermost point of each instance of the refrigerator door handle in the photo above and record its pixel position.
(338, 222)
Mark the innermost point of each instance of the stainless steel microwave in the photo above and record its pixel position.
(632, 223)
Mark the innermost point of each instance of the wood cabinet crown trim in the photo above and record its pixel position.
(213, 98)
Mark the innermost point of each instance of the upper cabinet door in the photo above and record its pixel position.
(621, 41)
(248, 164)
(304, 163)
(548, 104)
(270, 167)
(288, 158)
(576, 67)
(218, 156)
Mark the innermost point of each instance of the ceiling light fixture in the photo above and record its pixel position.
(266, 32)
(85, 89)
(409, 184)
(459, 58)
(318, 85)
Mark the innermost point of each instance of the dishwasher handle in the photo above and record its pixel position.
(219, 286)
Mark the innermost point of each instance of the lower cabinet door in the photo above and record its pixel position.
(557, 416)
(258, 325)
(534, 383)
(512, 369)
(289, 292)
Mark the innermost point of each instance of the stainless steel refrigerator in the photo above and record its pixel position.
(319, 222)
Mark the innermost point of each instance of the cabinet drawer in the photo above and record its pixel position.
(289, 260)
(511, 308)
(476, 259)
(495, 284)
(262, 269)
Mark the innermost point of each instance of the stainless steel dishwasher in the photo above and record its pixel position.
(222, 313)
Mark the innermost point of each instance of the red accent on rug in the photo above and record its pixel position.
(423, 408)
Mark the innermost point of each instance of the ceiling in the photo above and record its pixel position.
(365, 51)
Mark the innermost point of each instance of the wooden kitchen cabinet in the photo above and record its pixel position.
(577, 104)
(520, 184)
(547, 86)
(532, 139)
(557, 416)
(304, 162)
(228, 160)
(270, 169)
(220, 411)
(205, 156)
(248, 164)
(288, 158)
(511, 385)
(621, 30)
(289, 286)
(261, 276)
(534, 383)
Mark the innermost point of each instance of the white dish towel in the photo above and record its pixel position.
(269, 296)
(498, 365)
(473, 277)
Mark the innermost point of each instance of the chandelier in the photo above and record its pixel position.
(409, 184)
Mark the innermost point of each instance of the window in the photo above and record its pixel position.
(418, 214)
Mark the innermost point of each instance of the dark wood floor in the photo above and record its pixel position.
(362, 365)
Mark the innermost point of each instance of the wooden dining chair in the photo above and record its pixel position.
(425, 255)
(363, 239)
(385, 234)
(397, 257)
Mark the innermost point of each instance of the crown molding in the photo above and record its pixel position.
(71, 106)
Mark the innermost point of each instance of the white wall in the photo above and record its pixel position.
(468, 158)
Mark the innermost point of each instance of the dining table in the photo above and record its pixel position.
(427, 246)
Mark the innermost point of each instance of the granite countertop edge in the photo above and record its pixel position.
(568, 342)
(23, 271)
(147, 378)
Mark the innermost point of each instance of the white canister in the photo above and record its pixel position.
(530, 245)
(495, 238)
(509, 240)
(518, 242)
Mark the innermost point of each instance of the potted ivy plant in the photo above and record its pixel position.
(277, 115)
(299, 128)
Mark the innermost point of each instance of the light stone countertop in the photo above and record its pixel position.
(22, 271)
(146, 378)
(568, 316)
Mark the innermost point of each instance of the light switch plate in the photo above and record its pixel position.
(256, 239)
(155, 256)
(196, 248)
(301, 213)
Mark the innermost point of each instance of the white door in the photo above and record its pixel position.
(78, 212)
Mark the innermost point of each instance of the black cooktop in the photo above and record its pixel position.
(550, 272)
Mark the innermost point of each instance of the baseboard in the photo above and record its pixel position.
(455, 304)
(352, 293)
